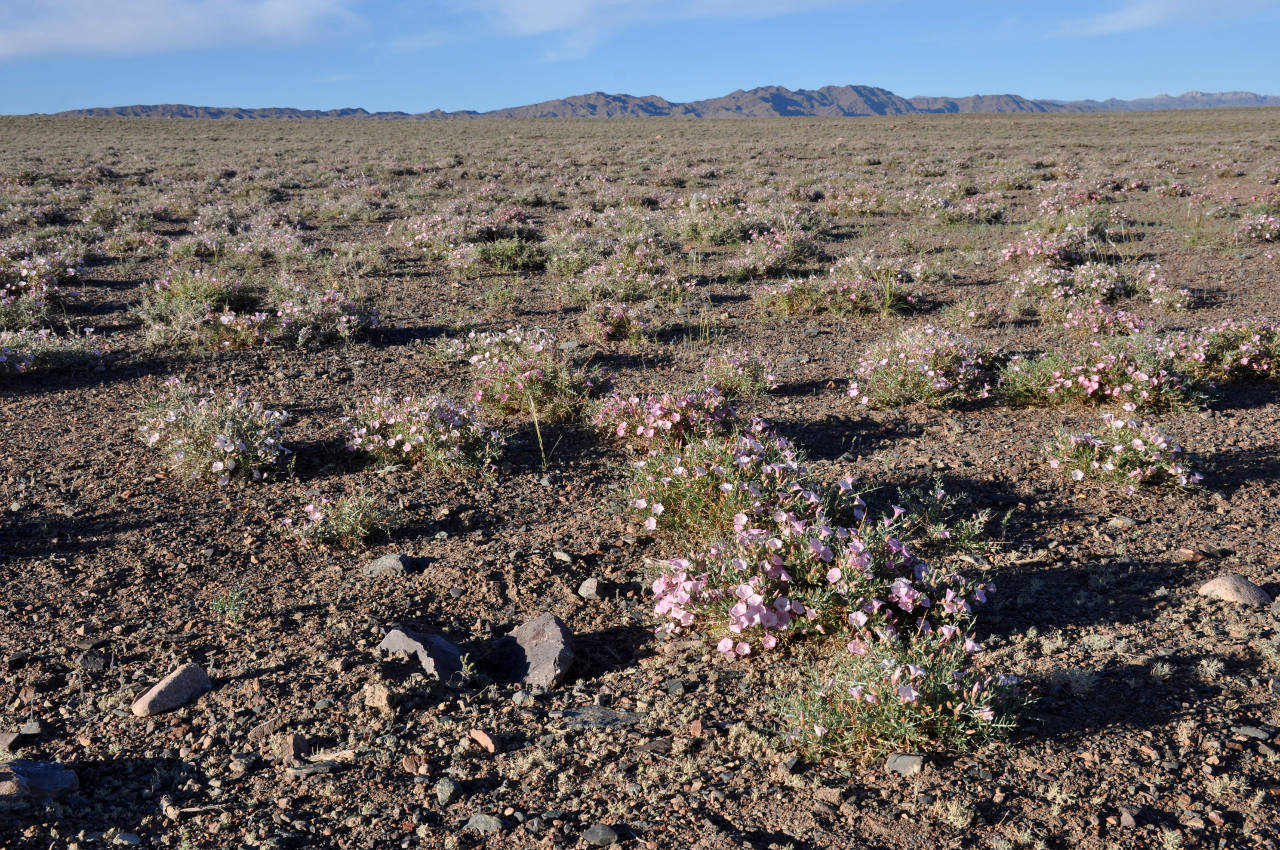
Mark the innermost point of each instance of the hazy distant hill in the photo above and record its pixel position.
(765, 101)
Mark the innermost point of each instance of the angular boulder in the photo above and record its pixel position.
(538, 653)
(173, 691)
(438, 657)
(22, 779)
(393, 565)
(1235, 588)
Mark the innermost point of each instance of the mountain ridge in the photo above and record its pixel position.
(759, 102)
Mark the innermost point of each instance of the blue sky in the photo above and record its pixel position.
(486, 54)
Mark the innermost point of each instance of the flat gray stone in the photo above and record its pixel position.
(484, 824)
(446, 790)
(438, 657)
(315, 768)
(905, 764)
(597, 717)
(599, 835)
(537, 653)
(177, 689)
(387, 565)
(1235, 588)
(22, 779)
(589, 589)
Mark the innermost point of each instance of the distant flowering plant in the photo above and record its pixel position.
(433, 431)
(198, 309)
(33, 280)
(667, 419)
(1262, 227)
(524, 370)
(346, 521)
(739, 374)
(1099, 319)
(1124, 450)
(607, 322)
(29, 350)
(208, 435)
(637, 270)
(772, 252)
(926, 364)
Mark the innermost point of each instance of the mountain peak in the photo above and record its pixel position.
(762, 101)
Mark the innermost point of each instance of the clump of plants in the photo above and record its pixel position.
(432, 431)
(637, 270)
(1135, 373)
(612, 322)
(524, 371)
(33, 281)
(212, 436)
(768, 565)
(1261, 227)
(922, 364)
(347, 521)
(29, 350)
(1233, 350)
(1125, 450)
(773, 252)
(665, 420)
(194, 309)
(739, 374)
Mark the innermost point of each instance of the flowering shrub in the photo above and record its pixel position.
(1137, 374)
(1262, 227)
(916, 698)
(433, 431)
(347, 521)
(195, 309)
(306, 317)
(772, 252)
(1126, 450)
(1099, 319)
(1096, 282)
(1055, 250)
(739, 374)
(853, 286)
(665, 420)
(1161, 293)
(718, 220)
(521, 370)
(1233, 350)
(613, 322)
(777, 569)
(214, 436)
(921, 364)
(697, 489)
(31, 350)
(971, 210)
(184, 308)
(32, 281)
(637, 270)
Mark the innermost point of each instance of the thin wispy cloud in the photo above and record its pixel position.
(58, 27)
(1138, 15)
(578, 26)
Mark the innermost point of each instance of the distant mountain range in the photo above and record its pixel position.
(766, 101)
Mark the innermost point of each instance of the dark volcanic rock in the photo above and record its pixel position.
(538, 653)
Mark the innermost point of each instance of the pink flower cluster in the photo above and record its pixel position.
(921, 364)
(433, 430)
(667, 419)
(1126, 450)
